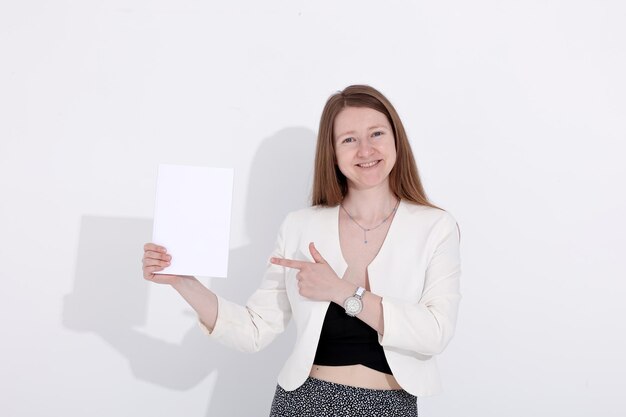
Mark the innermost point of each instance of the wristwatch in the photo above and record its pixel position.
(354, 304)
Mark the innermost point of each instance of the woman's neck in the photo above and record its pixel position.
(369, 206)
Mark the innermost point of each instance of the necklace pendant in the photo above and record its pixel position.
(369, 229)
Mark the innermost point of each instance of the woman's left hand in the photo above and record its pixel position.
(316, 280)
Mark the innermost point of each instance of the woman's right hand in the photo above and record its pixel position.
(200, 298)
(156, 258)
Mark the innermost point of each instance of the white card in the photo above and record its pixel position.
(192, 218)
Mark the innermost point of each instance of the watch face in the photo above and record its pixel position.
(353, 306)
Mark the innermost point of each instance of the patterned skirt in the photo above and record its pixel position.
(317, 398)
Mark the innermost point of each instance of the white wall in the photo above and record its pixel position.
(516, 114)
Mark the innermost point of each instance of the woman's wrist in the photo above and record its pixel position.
(183, 282)
(345, 290)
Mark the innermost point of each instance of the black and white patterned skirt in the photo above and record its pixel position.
(317, 398)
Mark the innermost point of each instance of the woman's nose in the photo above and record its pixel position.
(365, 148)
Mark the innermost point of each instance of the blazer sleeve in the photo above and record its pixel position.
(266, 314)
(427, 325)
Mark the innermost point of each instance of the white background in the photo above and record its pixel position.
(516, 112)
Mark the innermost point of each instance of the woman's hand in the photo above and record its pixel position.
(200, 298)
(317, 280)
(156, 258)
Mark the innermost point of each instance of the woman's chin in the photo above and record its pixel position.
(363, 184)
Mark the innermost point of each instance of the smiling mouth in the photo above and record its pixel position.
(369, 164)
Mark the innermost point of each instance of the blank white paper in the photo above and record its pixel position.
(192, 218)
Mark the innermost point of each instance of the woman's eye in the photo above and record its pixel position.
(377, 133)
(348, 140)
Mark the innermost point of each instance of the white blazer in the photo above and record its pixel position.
(416, 272)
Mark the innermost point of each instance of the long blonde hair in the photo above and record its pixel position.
(329, 184)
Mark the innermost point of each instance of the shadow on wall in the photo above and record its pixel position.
(110, 299)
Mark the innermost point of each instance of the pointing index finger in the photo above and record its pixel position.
(289, 263)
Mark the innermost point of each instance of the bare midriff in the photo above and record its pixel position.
(356, 376)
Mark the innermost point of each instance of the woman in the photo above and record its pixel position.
(370, 274)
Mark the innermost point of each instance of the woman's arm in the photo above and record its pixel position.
(199, 297)
(247, 328)
(318, 281)
(427, 325)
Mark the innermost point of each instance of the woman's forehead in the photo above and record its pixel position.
(350, 119)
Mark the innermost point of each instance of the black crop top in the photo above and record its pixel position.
(346, 340)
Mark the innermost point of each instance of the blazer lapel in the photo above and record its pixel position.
(329, 246)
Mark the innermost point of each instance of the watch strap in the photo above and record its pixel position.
(359, 292)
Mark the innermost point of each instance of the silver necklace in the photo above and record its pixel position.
(369, 229)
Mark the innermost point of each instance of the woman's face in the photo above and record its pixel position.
(364, 146)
